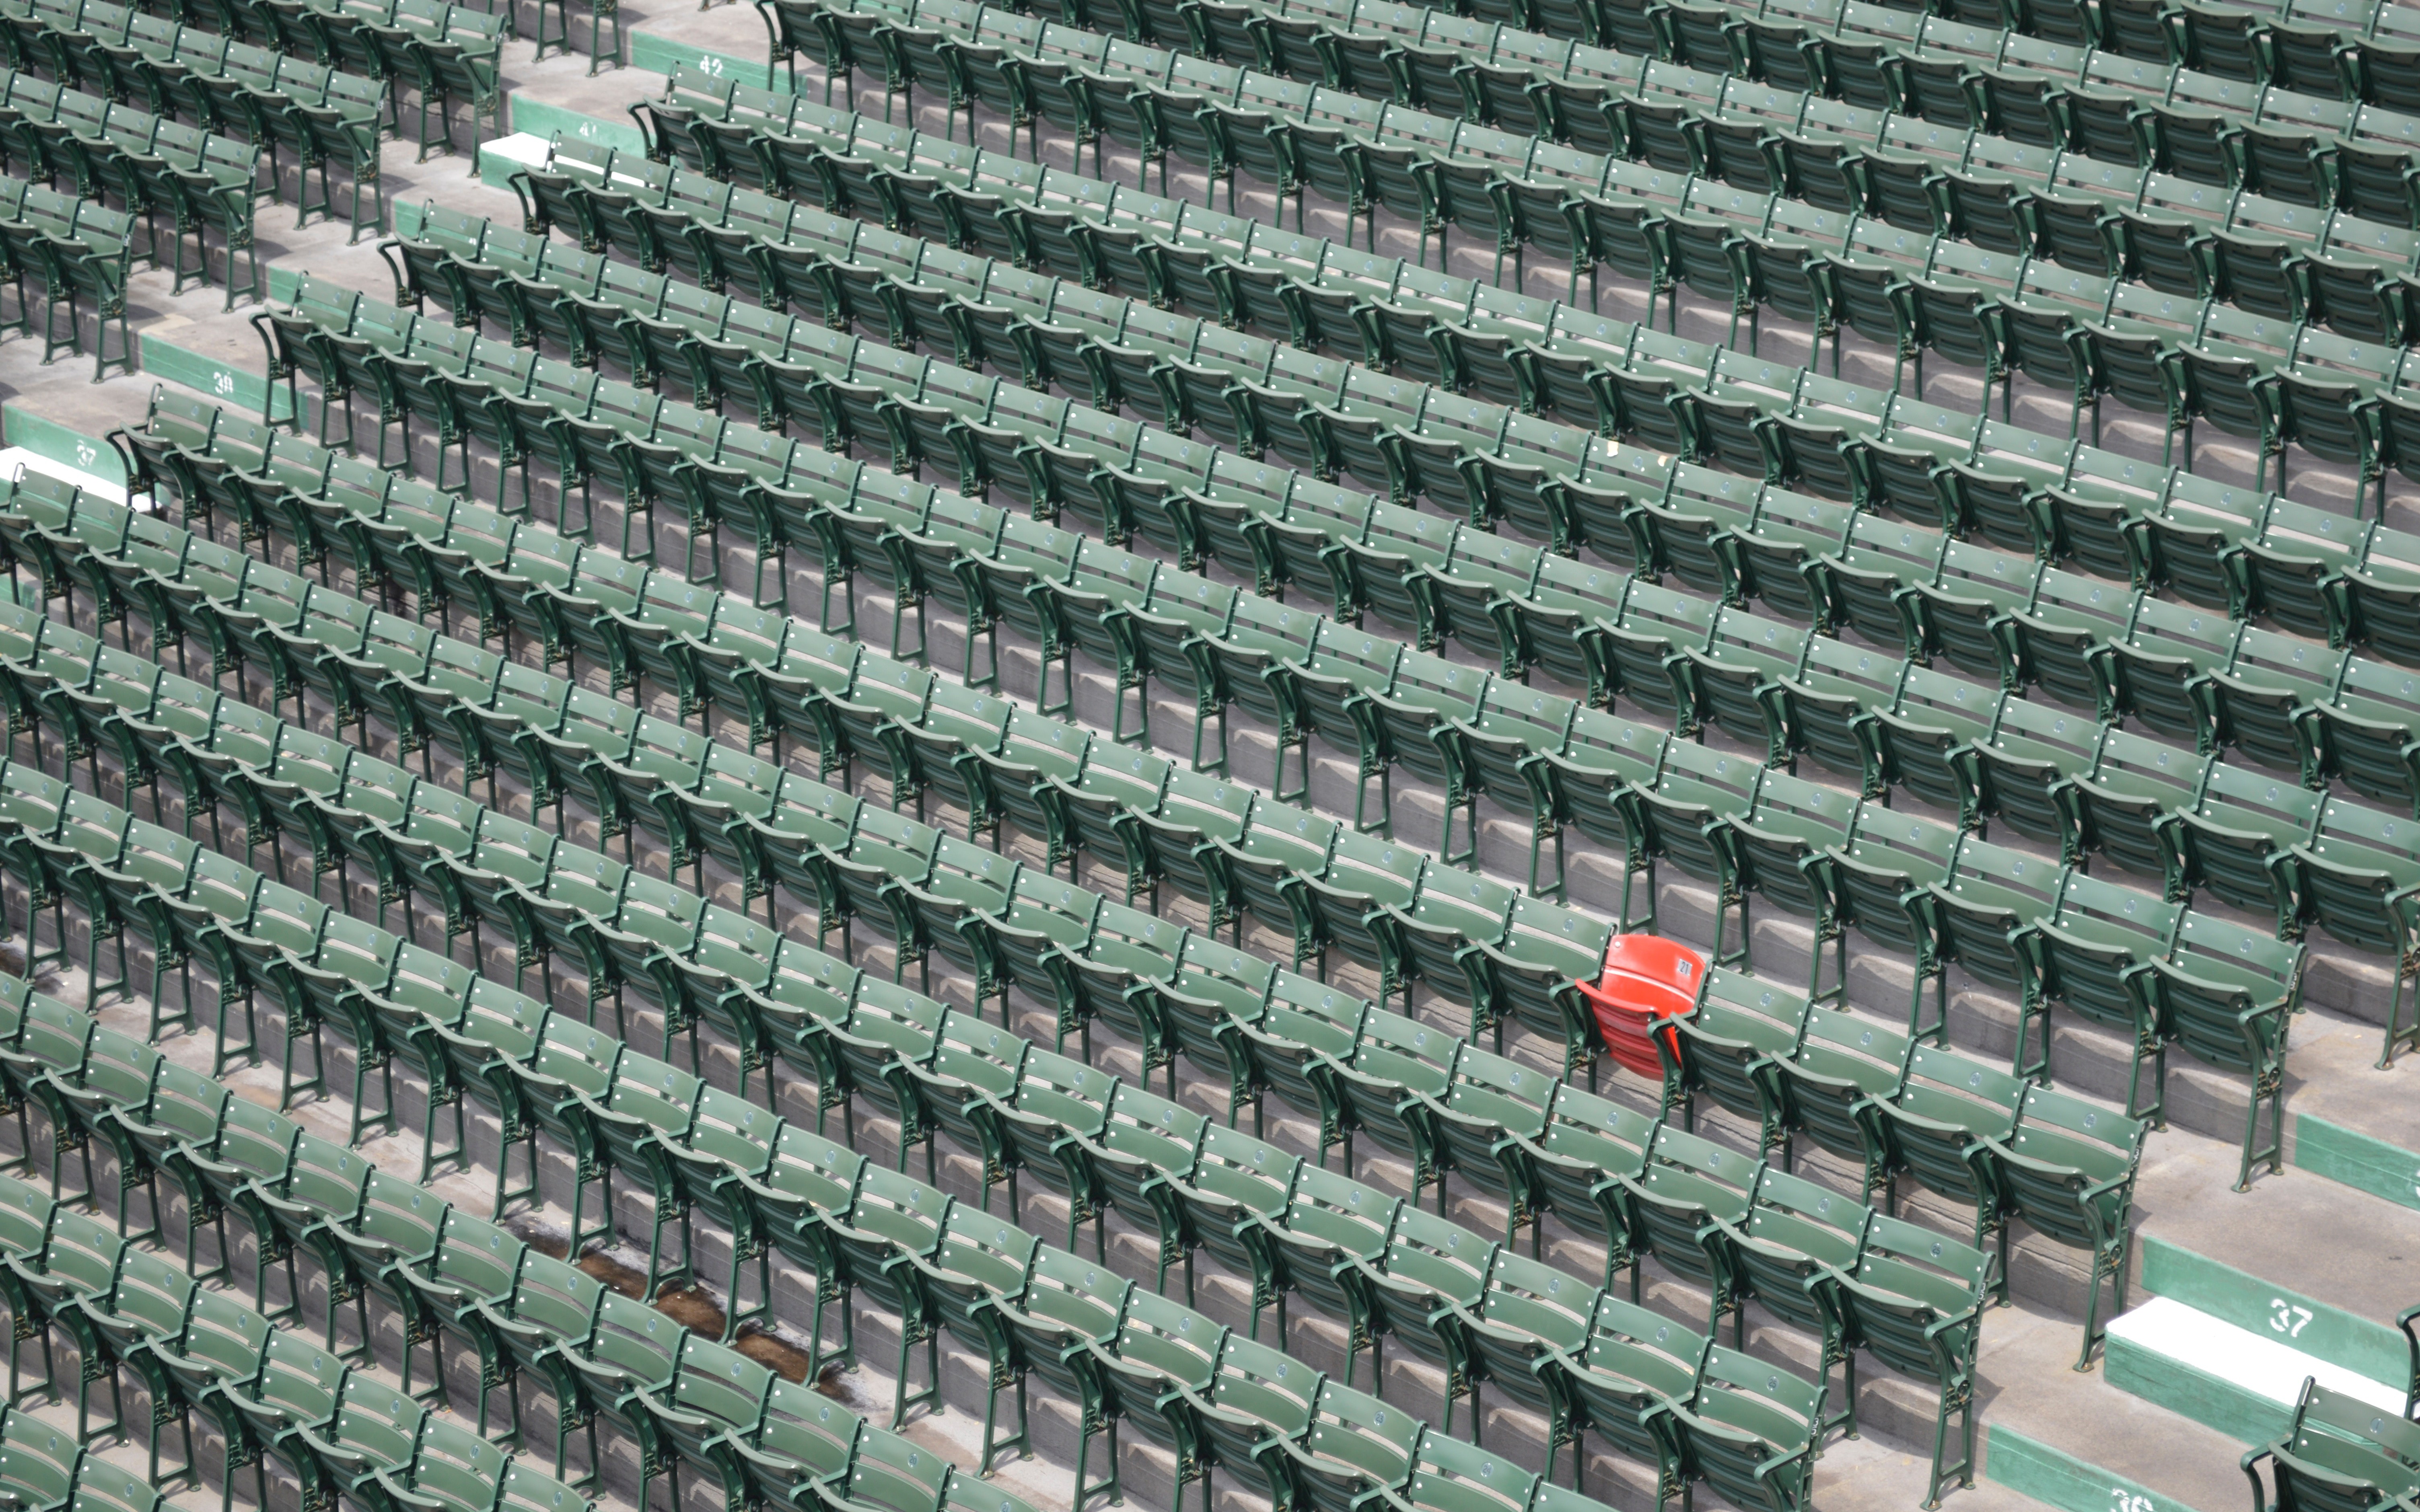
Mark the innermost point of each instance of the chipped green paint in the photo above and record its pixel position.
(662, 55)
(164, 359)
(49, 438)
(2058, 1479)
(2372, 1165)
(539, 119)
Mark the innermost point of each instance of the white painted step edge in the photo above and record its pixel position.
(2267, 1366)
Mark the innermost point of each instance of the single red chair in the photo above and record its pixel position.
(1647, 979)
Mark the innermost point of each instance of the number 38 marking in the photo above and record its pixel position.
(2122, 1500)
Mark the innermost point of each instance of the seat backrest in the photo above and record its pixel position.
(889, 1471)
(801, 1424)
(1073, 1294)
(557, 1299)
(1252, 1173)
(2255, 962)
(324, 1177)
(39, 1458)
(1792, 809)
(1959, 1090)
(1794, 1213)
(298, 1377)
(1778, 1405)
(528, 1488)
(1433, 1252)
(1854, 1048)
(1161, 1333)
(1454, 1476)
(1903, 1261)
(2242, 798)
(1605, 1134)
(1268, 1384)
(1699, 779)
(898, 1207)
(1532, 1297)
(1948, 701)
(1895, 841)
(2325, 1416)
(1355, 1434)
(721, 1383)
(478, 1258)
(2106, 914)
(1336, 1210)
(1692, 1170)
(639, 1342)
(405, 1218)
(1753, 1009)
(2060, 1129)
(979, 1250)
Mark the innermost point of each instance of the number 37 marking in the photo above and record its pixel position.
(2287, 1318)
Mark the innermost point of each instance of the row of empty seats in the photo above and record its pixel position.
(1928, 853)
(1402, 1041)
(326, 118)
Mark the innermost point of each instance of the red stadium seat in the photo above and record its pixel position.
(1646, 979)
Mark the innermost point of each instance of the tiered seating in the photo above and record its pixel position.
(1688, 119)
(1551, 484)
(1524, 596)
(198, 181)
(1432, 1148)
(446, 53)
(1984, 563)
(1969, 884)
(75, 250)
(335, 1427)
(83, 1479)
(1896, 288)
(273, 100)
(2122, 327)
(2206, 121)
(620, 1089)
(388, 785)
(1392, 66)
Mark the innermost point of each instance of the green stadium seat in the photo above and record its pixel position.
(2337, 1451)
(1434, 1279)
(1915, 1302)
(1690, 1189)
(1751, 1429)
(2069, 1171)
